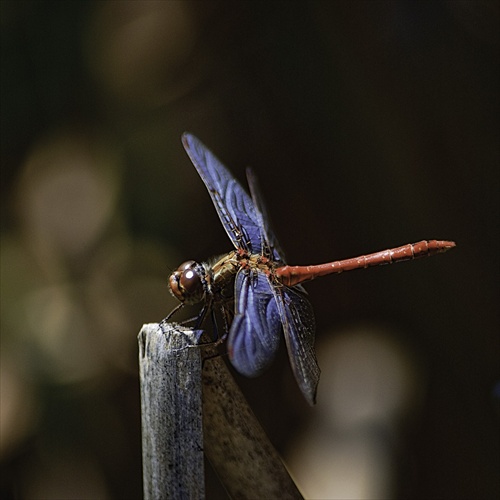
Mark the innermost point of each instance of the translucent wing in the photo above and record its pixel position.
(299, 329)
(268, 234)
(254, 335)
(236, 210)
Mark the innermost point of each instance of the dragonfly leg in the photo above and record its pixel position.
(215, 332)
(214, 344)
(171, 313)
(202, 315)
(192, 319)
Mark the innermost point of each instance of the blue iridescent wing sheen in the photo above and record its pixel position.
(262, 308)
(295, 311)
(255, 333)
(297, 318)
(236, 210)
(276, 253)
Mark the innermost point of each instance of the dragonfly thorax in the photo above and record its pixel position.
(193, 282)
(189, 283)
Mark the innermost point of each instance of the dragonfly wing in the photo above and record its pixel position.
(236, 210)
(299, 329)
(255, 333)
(268, 233)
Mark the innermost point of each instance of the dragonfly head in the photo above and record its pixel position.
(188, 283)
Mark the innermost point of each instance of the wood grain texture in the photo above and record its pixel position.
(172, 435)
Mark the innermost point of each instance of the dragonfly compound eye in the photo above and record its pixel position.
(187, 283)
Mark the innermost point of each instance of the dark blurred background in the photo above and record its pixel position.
(369, 124)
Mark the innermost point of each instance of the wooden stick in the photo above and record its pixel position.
(172, 437)
(235, 443)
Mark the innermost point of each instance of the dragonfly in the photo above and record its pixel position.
(266, 295)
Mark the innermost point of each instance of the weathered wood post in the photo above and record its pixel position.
(175, 393)
(172, 434)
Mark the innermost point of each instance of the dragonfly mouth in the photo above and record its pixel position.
(173, 283)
